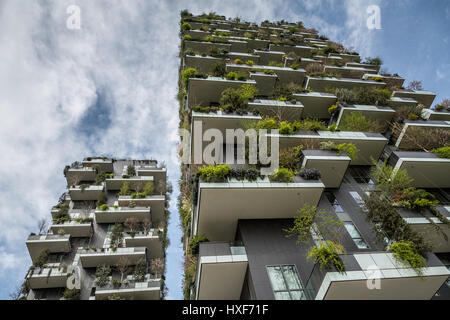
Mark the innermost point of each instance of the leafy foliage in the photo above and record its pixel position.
(404, 252)
(327, 255)
(195, 243)
(215, 172)
(282, 175)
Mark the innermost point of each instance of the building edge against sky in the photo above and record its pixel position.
(363, 187)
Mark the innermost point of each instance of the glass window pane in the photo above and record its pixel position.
(352, 230)
(282, 295)
(276, 278)
(298, 295)
(291, 276)
(361, 244)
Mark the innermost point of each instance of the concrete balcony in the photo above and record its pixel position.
(348, 72)
(329, 60)
(198, 34)
(382, 115)
(200, 63)
(364, 65)
(267, 56)
(148, 289)
(321, 84)
(421, 223)
(46, 278)
(159, 176)
(391, 80)
(426, 169)
(238, 46)
(346, 57)
(398, 102)
(205, 46)
(258, 44)
(120, 214)
(316, 104)
(116, 182)
(220, 265)
(264, 82)
(331, 166)
(304, 62)
(204, 92)
(285, 75)
(151, 241)
(74, 229)
(95, 257)
(89, 192)
(51, 242)
(221, 205)
(80, 174)
(301, 51)
(421, 96)
(155, 202)
(434, 114)
(411, 125)
(288, 111)
(103, 164)
(370, 145)
(397, 281)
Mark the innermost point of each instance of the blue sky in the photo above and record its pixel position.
(109, 88)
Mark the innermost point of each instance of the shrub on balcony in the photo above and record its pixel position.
(215, 172)
(125, 189)
(333, 109)
(219, 69)
(443, 152)
(101, 199)
(103, 207)
(131, 170)
(282, 175)
(310, 174)
(250, 62)
(356, 121)
(42, 258)
(374, 61)
(63, 211)
(140, 270)
(187, 37)
(102, 275)
(405, 253)
(327, 255)
(291, 158)
(186, 26)
(285, 92)
(241, 76)
(71, 294)
(195, 243)
(349, 148)
(148, 189)
(238, 61)
(190, 73)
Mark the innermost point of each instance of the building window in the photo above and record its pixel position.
(315, 233)
(286, 283)
(356, 236)
(445, 259)
(361, 174)
(332, 198)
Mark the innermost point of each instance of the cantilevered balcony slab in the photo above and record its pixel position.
(348, 72)
(301, 51)
(434, 114)
(382, 115)
(331, 165)
(204, 92)
(400, 102)
(287, 111)
(133, 290)
(305, 62)
(198, 34)
(397, 281)
(200, 63)
(74, 229)
(80, 174)
(316, 104)
(205, 47)
(346, 57)
(265, 57)
(321, 84)
(155, 202)
(265, 83)
(391, 80)
(102, 164)
(370, 145)
(116, 182)
(423, 97)
(221, 205)
(433, 230)
(159, 176)
(80, 193)
(426, 169)
(364, 65)
(216, 120)
(238, 46)
(411, 125)
(285, 75)
(51, 242)
(46, 278)
(151, 241)
(95, 257)
(258, 44)
(120, 214)
(220, 265)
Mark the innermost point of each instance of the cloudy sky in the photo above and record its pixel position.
(109, 88)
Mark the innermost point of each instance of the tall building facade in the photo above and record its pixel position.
(107, 237)
(359, 207)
